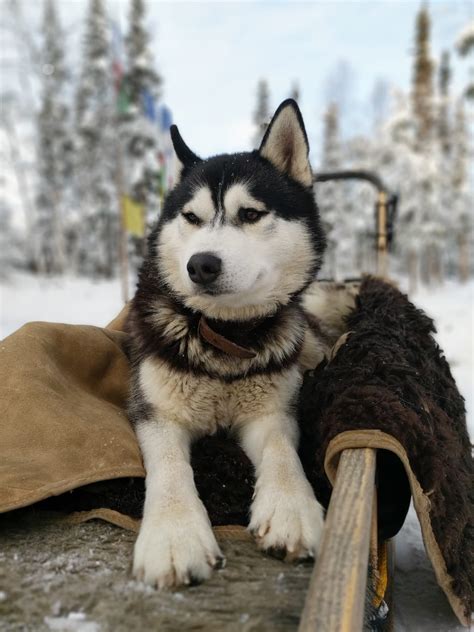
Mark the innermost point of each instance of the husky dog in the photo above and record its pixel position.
(219, 338)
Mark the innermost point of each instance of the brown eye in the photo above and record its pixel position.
(250, 215)
(191, 218)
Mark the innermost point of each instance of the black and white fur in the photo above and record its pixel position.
(255, 214)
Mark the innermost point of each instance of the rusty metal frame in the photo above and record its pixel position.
(386, 208)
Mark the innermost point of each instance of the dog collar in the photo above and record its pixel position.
(221, 342)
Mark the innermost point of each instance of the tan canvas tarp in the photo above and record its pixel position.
(62, 396)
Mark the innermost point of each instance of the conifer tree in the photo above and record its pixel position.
(53, 148)
(422, 91)
(12, 246)
(141, 74)
(331, 141)
(96, 151)
(139, 141)
(465, 47)
(462, 194)
(329, 196)
(429, 210)
(444, 80)
(261, 115)
(142, 87)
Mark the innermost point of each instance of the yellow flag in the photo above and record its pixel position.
(133, 216)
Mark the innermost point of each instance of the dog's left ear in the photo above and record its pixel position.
(185, 157)
(285, 143)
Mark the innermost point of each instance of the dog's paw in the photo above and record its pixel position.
(172, 552)
(287, 524)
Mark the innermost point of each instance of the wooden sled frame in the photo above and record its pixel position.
(337, 591)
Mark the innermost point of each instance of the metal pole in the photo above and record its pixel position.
(382, 234)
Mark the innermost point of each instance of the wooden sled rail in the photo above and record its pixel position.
(336, 595)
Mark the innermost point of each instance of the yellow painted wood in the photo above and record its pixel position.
(336, 594)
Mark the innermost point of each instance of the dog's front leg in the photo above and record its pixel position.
(176, 544)
(285, 515)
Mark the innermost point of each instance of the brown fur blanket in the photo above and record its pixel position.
(391, 377)
(63, 389)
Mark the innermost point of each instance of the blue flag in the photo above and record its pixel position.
(148, 104)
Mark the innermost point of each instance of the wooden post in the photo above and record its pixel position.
(382, 234)
(336, 595)
(123, 251)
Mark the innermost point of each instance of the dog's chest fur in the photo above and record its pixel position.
(181, 377)
(205, 404)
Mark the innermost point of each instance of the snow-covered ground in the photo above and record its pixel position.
(420, 605)
(24, 298)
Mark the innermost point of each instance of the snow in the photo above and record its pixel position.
(74, 622)
(419, 602)
(71, 300)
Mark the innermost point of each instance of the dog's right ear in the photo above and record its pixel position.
(185, 157)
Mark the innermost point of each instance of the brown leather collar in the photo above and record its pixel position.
(222, 343)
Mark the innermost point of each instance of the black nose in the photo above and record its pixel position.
(204, 268)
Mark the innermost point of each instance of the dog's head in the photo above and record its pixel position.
(240, 234)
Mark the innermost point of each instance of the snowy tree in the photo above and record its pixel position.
(414, 174)
(360, 155)
(11, 245)
(465, 47)
(462, 194)
(339, 89)
(96, 151)
(54, 148)
(444, 80)
(261, 115)
(443, 154)
(429, 208)
(141, 75)
(21, 73)
(465, 39)
(393, 158)
(140, 91)
(330, 198)
(422, 94)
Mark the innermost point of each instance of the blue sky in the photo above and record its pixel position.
(211, 55)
